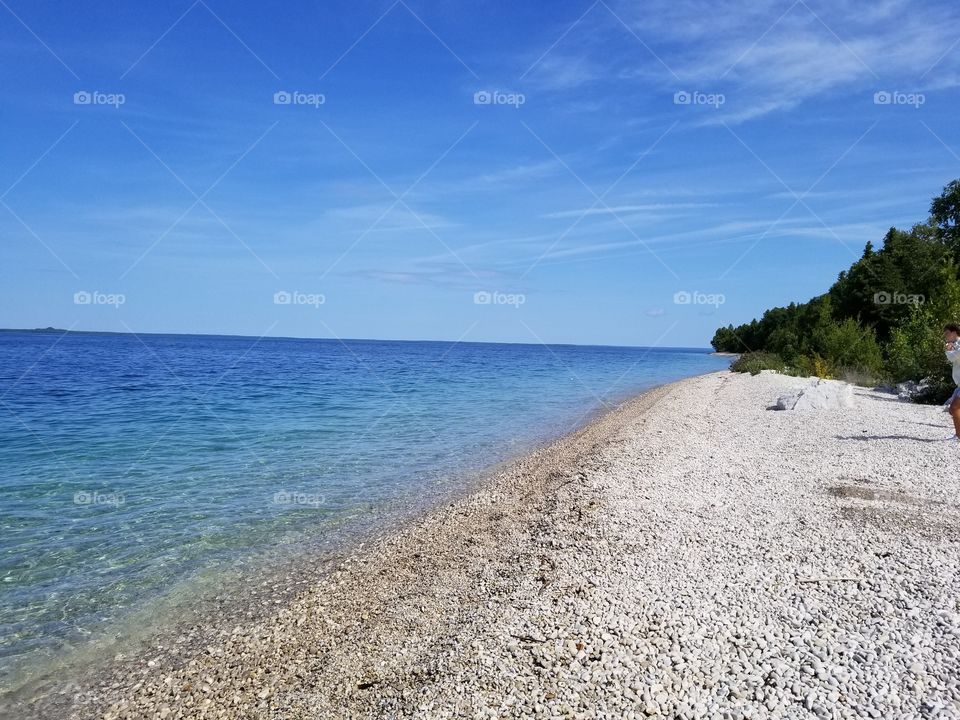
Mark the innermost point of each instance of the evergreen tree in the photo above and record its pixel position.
(882, 317)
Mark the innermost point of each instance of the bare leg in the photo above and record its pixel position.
(955, 414)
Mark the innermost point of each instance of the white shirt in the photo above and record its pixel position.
(953, 357)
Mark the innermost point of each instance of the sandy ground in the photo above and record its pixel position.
(691, 554)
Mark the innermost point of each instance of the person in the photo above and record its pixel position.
(951, 346)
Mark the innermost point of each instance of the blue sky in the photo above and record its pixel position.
(620, 156)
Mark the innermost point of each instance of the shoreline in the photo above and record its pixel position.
(198, 593)
(229, 601)
(687, 551)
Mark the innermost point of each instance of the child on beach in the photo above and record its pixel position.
(951, 346)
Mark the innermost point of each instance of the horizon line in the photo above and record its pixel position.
(63, 331)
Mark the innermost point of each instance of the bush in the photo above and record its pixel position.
(754, 362)
(863, 378)
(915, 350)
(813, 366)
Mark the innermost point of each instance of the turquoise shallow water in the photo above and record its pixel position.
(129, 464)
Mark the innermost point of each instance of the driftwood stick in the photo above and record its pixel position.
(528, 638)
(828, 579)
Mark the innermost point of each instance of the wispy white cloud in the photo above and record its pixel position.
(434, 274)
(563, 71)
(726, 232)
(622, 209)
(764, 56)
(517, 173)
(380, 218)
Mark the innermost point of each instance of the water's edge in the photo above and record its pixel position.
(209, 601)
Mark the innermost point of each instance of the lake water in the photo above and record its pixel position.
(130, 464)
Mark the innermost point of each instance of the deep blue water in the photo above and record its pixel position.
(130, 463)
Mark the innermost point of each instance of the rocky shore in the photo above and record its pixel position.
(692, 554)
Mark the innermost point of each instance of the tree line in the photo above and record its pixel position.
(881, 321)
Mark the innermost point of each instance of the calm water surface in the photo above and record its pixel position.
(130, 464)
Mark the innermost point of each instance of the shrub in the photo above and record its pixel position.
(838, 344)
(754, 362)
(859, 377)
(812, 366)
(915, 350)
(822, 368)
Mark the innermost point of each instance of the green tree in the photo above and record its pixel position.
(945, 214)
(915, 350)
(905, 266)
(883, 315)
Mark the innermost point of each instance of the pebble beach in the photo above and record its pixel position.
(692, 553)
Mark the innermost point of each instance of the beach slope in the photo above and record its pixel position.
(689, 554)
